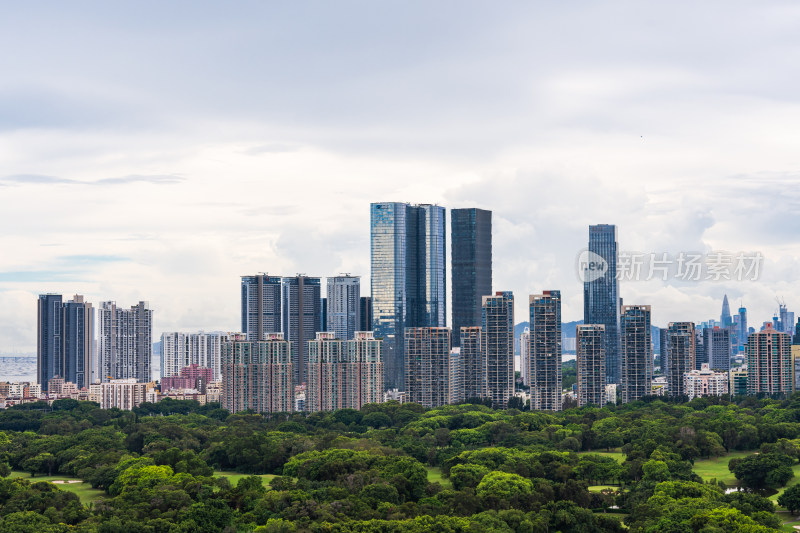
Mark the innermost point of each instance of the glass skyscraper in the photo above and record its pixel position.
(78, 332)
(471, 252)
(49, 354)
(408, 288)
(601, 296)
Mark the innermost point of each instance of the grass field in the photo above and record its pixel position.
(599, 488)
(614, 454)
(435, 475)
(717, 468)
(234, 477)
(84, 491)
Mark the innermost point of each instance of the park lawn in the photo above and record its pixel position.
(234, 477)
(614, 454)
(794, 481)
(788, 521)
(83, 490)
(435, 476)
(717, 468)
(600, 488)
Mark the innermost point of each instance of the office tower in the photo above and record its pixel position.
(497, 330)
(124, 341)
(742, 331)
(180, 350)
(261, 306)
(705, 382)
(769, 362)
(343, 373)
(78, 342)
(636, 345)
(545, 351)
(428, 366)
(344, 306)
(725, 319)
(49, 354)
(257, 375)
(680, 354)
(717, 347)
(365, 310)
(408, 258)
(473, 363)
(471, 274)
(591, 363)
(700, 352)
(601, 301)
(302, 318)
(324, 318)
(525, 356)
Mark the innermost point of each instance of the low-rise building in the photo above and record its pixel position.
(705, 382)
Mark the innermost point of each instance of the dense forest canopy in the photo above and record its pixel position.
(169, 467)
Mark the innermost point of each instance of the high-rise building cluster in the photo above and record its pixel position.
(300, 348)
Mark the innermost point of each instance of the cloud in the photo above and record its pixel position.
(275, 148)
(36, 179)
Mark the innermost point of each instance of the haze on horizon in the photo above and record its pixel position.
(157, 152)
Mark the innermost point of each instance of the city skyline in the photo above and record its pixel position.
(194, 171)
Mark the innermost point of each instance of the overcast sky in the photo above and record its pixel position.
(159, 150)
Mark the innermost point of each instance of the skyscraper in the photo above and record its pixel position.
(545, 350)
(49, 329)
(473, 363)
(180, 350)
(498, 344)
(601, 303)
(261, 306)
(590, 359)
(636, 346)
(717, 346)
(78, 341)
(525, 356)
(365, 318)
(257, 375)
(344, 306)
(680, 353)
(769, 362)
(302, 319)
(742, 332)
(471, 275)
(725, 319)
(408, 289)
(428, 366)
(124, 341)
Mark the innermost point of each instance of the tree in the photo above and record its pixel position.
(790, 499)
(762, 470)
(500, 490)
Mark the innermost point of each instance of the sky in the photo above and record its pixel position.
(158, 151)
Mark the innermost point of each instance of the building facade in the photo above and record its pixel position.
(180, 350)
(545, 350)
(49, 346)
(408, 287)
(257, 375)
(343, 306)
(601, 304)
(471, 266)
(769, 362)
(428, 366)
(717, 347)
(498, 345)
(473, 363)
(124, 341)
(636, 352)
(261, 306)
(343, 373)
(302, 319)
(525, 356)
(365, 319)
(79, 343)
(680, 354)
(591, 364)
(122, 394)
(705, 382)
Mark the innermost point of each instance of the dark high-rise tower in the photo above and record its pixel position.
(591, 364)
(49, 354)
(471, 275)
(365, 318)
(601, 303)
(636, 368)
(261, 306)
(680, 355)
(408, 288)
(302, 319)
(78, 324)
